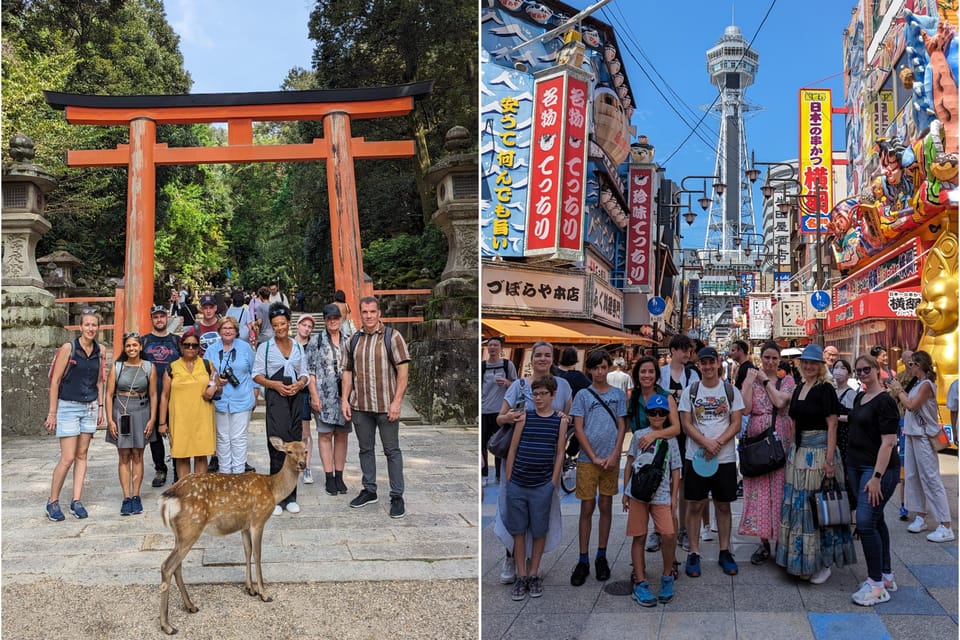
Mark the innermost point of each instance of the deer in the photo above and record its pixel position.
(226, 503)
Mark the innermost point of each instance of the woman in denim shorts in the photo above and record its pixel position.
(75, 410)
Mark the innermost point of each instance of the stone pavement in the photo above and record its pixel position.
(760, 602)
(327, 542)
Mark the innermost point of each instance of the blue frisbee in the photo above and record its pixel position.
(705, 468)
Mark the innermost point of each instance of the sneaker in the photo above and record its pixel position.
(653, 543)
(277, 510)
(127, 507)
(248, 468)
(870, 594)
(293, 507)
(362, 500)
(693, 565)
(641, 593)
(821, 576)
(397, 508)
(941, 534)
(508, 570)
(904, 514)
(666, 589)
(713, 527)
(917, 525)
(331, 486)
(727, 563)
(889, 583)
(341, 487)
(159, 480)
(76, 508)
(705, 534)
(307, 476)
(761, 555)
(580, 573)
(602, 568)
(519, 589)
(136, 506)
(54, 512)
(535, 586)
(683, 540)
(214, 465)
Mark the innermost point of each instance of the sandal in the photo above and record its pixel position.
(761, 555)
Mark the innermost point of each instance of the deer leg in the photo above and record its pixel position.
(172, 566)
(257, 534)
(247, 548)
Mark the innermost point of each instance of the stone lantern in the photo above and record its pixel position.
(24, 198)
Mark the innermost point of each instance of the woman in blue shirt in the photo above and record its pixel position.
(232, 359)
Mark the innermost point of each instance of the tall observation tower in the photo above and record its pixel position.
(732, 65)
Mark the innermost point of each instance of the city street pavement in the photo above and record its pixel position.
(761, 602)
(328, 542)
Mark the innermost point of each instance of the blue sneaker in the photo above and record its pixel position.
(904, 514)
(54, 512)
(693, 565)
(135, 505)
(727, 563)
(127, 507)
(641, 593)
(76, 508)
(666, 589)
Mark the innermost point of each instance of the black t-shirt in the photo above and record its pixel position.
(742, 373)
(810, 414)
(575, 379)
(867, 423)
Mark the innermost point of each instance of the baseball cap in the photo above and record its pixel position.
(206, 299)
(331, 311)
(306, 316)
(708, 352)
(658, 401)
(159, 308)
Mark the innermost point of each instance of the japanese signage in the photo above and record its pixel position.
(596, 267)
(882, 115)
(516, 289)
(789, 317)
(890, 304)
(607, 304)
(781, 237)
(816, 166)
(760, 317)
(902, 264)
(557, 177)
(640, 270)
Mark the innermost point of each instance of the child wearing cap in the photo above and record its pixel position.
(661, 506)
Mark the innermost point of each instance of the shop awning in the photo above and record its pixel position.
(529, 331)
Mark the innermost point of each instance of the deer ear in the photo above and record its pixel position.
(276, 443)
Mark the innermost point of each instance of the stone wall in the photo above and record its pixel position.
(444, 371)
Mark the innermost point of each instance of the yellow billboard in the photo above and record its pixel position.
(816, 166)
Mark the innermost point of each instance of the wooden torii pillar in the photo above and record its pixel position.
(336, 108)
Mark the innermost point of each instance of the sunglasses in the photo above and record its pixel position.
(911, 364)
(191, 345)
(658, 413)
(132, 334)
(863, 371)
(87, 311)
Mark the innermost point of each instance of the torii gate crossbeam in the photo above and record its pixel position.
(239, 111)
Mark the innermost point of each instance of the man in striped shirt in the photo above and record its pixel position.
(374, 382)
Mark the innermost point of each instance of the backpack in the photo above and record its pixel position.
(118, 365)
(695, 387)
(206, 365)
(646, 478)
(387, 341)
(71, 361)
(505, 364)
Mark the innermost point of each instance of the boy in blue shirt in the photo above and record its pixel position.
(532, 473)
(598, 420)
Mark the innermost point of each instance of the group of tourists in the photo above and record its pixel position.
(199, 390)
(836, 422)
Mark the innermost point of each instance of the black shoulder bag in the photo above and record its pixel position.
(762, 453)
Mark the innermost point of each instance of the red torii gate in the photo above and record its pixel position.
(239, 111)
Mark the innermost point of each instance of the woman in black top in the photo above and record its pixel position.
(802, 549)
(873, 466)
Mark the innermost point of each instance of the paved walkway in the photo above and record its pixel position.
(326, 542)
(761, 602)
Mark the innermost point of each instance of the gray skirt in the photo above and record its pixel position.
(139, 412)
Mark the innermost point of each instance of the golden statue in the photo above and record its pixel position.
(938, 311)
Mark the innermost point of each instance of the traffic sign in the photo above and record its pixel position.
(656, 305)
(820, 300)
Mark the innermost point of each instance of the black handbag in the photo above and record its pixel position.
(830, 506)
(761, 454)
(499, 443)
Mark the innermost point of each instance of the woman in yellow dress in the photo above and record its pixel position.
(186, 404)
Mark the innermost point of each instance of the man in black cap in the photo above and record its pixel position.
(208, 322)
(161, 348)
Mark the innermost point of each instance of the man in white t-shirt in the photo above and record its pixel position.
(619, 378)
(710, 412)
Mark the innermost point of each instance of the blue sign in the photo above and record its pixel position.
(656, 305)
(820, 300)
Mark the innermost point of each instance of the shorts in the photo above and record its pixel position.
(74, 418)
(639, 513)
(528, 509)
(327, 427)
(722, 484)
(590, 477)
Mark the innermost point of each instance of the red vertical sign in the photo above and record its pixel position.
(574, 167)
(639, 261)
(545, 167)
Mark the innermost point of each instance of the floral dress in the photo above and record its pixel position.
(763, 495)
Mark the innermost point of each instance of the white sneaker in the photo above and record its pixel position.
(277, 510)
(820, 576)
(293, 507)
(307, 476)
(653, 542)
(941, 534)
(917, 525)
(870, 594)
(889, 583)
(713, 527)
(705, 534)
(508, 571)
